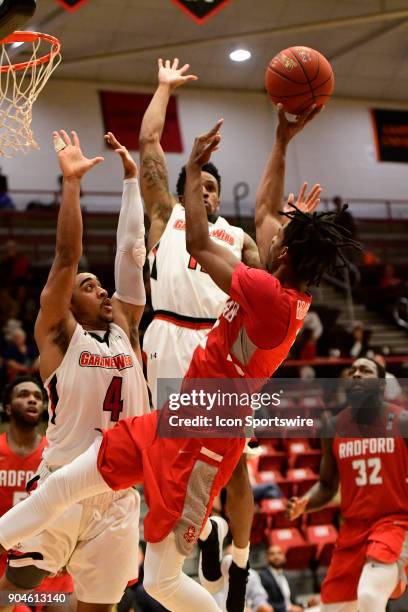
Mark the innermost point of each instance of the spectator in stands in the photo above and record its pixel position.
(6, 203)
(15, 269)
(306, 345)
(393, 391)
(20, 357)
(356, 342)
(276, 584)
(389, 279)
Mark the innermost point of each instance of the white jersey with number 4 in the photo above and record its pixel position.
(98, 382)
(178, 284)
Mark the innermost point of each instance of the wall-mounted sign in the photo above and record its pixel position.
(201, 10)
(391, 134)
(71, 5)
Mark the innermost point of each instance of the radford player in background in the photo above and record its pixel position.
(21, 448)
(181, 476)
(89, 349)
(367, 455)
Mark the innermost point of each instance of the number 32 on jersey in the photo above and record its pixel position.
(368, 471)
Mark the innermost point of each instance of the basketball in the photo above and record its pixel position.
(298, 77)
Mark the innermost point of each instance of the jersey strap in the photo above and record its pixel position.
(184, 321)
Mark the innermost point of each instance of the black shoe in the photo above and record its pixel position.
(211, 551)
(238, 579)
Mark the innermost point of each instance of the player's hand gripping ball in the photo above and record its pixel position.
(298, 77)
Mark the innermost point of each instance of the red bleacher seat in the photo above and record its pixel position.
(324, 538)
(271, 459)
(301, 480)
(308, 459)
(275, 510)
(275, 476)
(299, 553)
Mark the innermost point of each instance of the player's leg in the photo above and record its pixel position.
(345, 606)
(211, 544)
(339, 588)
(376, 584)
(105, 558)
(240, 510)
(72, 483)
(41, 555)
(165, 581)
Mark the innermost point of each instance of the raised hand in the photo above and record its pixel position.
(172, 75)
(296, 507)
(287, 129)
(204, 145)
(72, 161)
(306, 203)
(129, 164)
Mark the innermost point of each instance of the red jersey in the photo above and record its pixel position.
(256, 330)
(15, 472)
(373, 471)
(249, 340)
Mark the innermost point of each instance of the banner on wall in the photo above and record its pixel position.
(123, 113)
(390, 134)
(71, 5)
(201, 10)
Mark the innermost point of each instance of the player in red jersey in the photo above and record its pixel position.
(181, 476)
(367, 455)
(20, 455)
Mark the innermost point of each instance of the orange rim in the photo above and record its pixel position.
(20, 36)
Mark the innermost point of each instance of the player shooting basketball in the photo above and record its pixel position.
(185, 298)
(181, 476)
(88, 347)
(363, 451)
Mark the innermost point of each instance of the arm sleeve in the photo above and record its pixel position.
(266, 305)
(130, 246)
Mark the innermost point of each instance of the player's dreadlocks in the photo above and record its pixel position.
(315, 241)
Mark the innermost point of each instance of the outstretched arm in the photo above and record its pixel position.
(129, 299)
(55, 323)
(153, 168)
(216, 260)
(323, 491)
(269, 197)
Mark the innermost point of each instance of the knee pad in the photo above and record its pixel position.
(27, 577)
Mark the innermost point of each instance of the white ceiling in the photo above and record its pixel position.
(366, 40)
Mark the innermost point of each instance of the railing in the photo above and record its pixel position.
(241, 206)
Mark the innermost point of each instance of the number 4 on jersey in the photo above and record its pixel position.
(113, 402)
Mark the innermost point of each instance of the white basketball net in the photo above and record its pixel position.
(19, 89)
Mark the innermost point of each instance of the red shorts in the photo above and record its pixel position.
(181, 476)
(383, 541)
(60, 583)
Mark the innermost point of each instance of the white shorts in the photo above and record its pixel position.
(97, 541)
(169, 348)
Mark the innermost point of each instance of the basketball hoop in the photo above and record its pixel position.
(20, 86)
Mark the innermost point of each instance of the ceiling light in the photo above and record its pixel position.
(240, 55)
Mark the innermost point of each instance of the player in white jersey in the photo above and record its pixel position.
(185, 299)
(90, 363)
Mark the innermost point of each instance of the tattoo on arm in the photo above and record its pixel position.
(154, 172)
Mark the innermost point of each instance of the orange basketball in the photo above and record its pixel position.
(299, 77)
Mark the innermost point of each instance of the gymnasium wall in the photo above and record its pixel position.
(337, 149)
